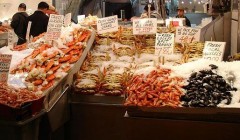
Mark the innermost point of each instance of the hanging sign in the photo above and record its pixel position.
(187, 34)
(214, 50)
(67, 19)
(54, 27)
(80, 18)
(144, 26)
(164, 44)
(5, 61)
(107, 24)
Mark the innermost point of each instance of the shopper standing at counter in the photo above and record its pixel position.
(19, 23)
(39, 20)
(181, 15)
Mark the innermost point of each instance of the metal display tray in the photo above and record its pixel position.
(230, 115)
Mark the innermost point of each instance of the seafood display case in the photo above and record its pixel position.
(56, 65)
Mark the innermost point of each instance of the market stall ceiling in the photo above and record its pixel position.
(10, 7)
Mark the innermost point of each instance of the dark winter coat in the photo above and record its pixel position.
(39, 23)
(19, 24)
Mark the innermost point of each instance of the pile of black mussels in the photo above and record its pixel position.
(206, 89)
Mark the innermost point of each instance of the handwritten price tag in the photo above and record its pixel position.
(5, 61)
(187, 35)
(145, 26)
(107, 24)
(164, 44)
(54, 27)
(214, 50)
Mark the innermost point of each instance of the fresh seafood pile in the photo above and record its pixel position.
(4, 29)
(48, 63)
(207, 89)
(108, 63)
(235, 57)
(14, 98)
(155, 89)
(190, 51)
(89, 20)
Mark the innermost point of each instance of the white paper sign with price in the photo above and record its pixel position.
(12, 38)
(5, 61)
(187, 34)
(80, 18)
(164, 44)
(67, 19)
(144, 26)
(107, 24)
(54, 27)
(214, 50)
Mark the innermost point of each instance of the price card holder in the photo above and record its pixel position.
(144, 26)
(214, 50)
(67, 19)
(5, 61)
(164, 44)
(54, 27)
(187, 34)
(107, 24)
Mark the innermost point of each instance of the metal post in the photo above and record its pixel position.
(104, 8)
(238, 38)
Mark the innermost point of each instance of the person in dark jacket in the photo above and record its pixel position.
(181, 15)
(39, 20)
(19, 23)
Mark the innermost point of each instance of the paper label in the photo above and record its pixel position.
(5, 62)
(80, 18)
(54, 27)
(28, 30)
(67, 19)
(12, 38)
(107, 24)
(144, 26)
(164, 44)
(214, 50)
(187, 34)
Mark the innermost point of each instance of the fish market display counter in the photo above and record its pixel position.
(105, 117)
(54, 108)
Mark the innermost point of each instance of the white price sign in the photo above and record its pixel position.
(214, 50)
(12, 38)
(5, 61)
(28, 30)
(144, 26)
(67, 19)
(187, 34)
(107, 24)
(54, 27)
(164, 44)
(80, 18)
